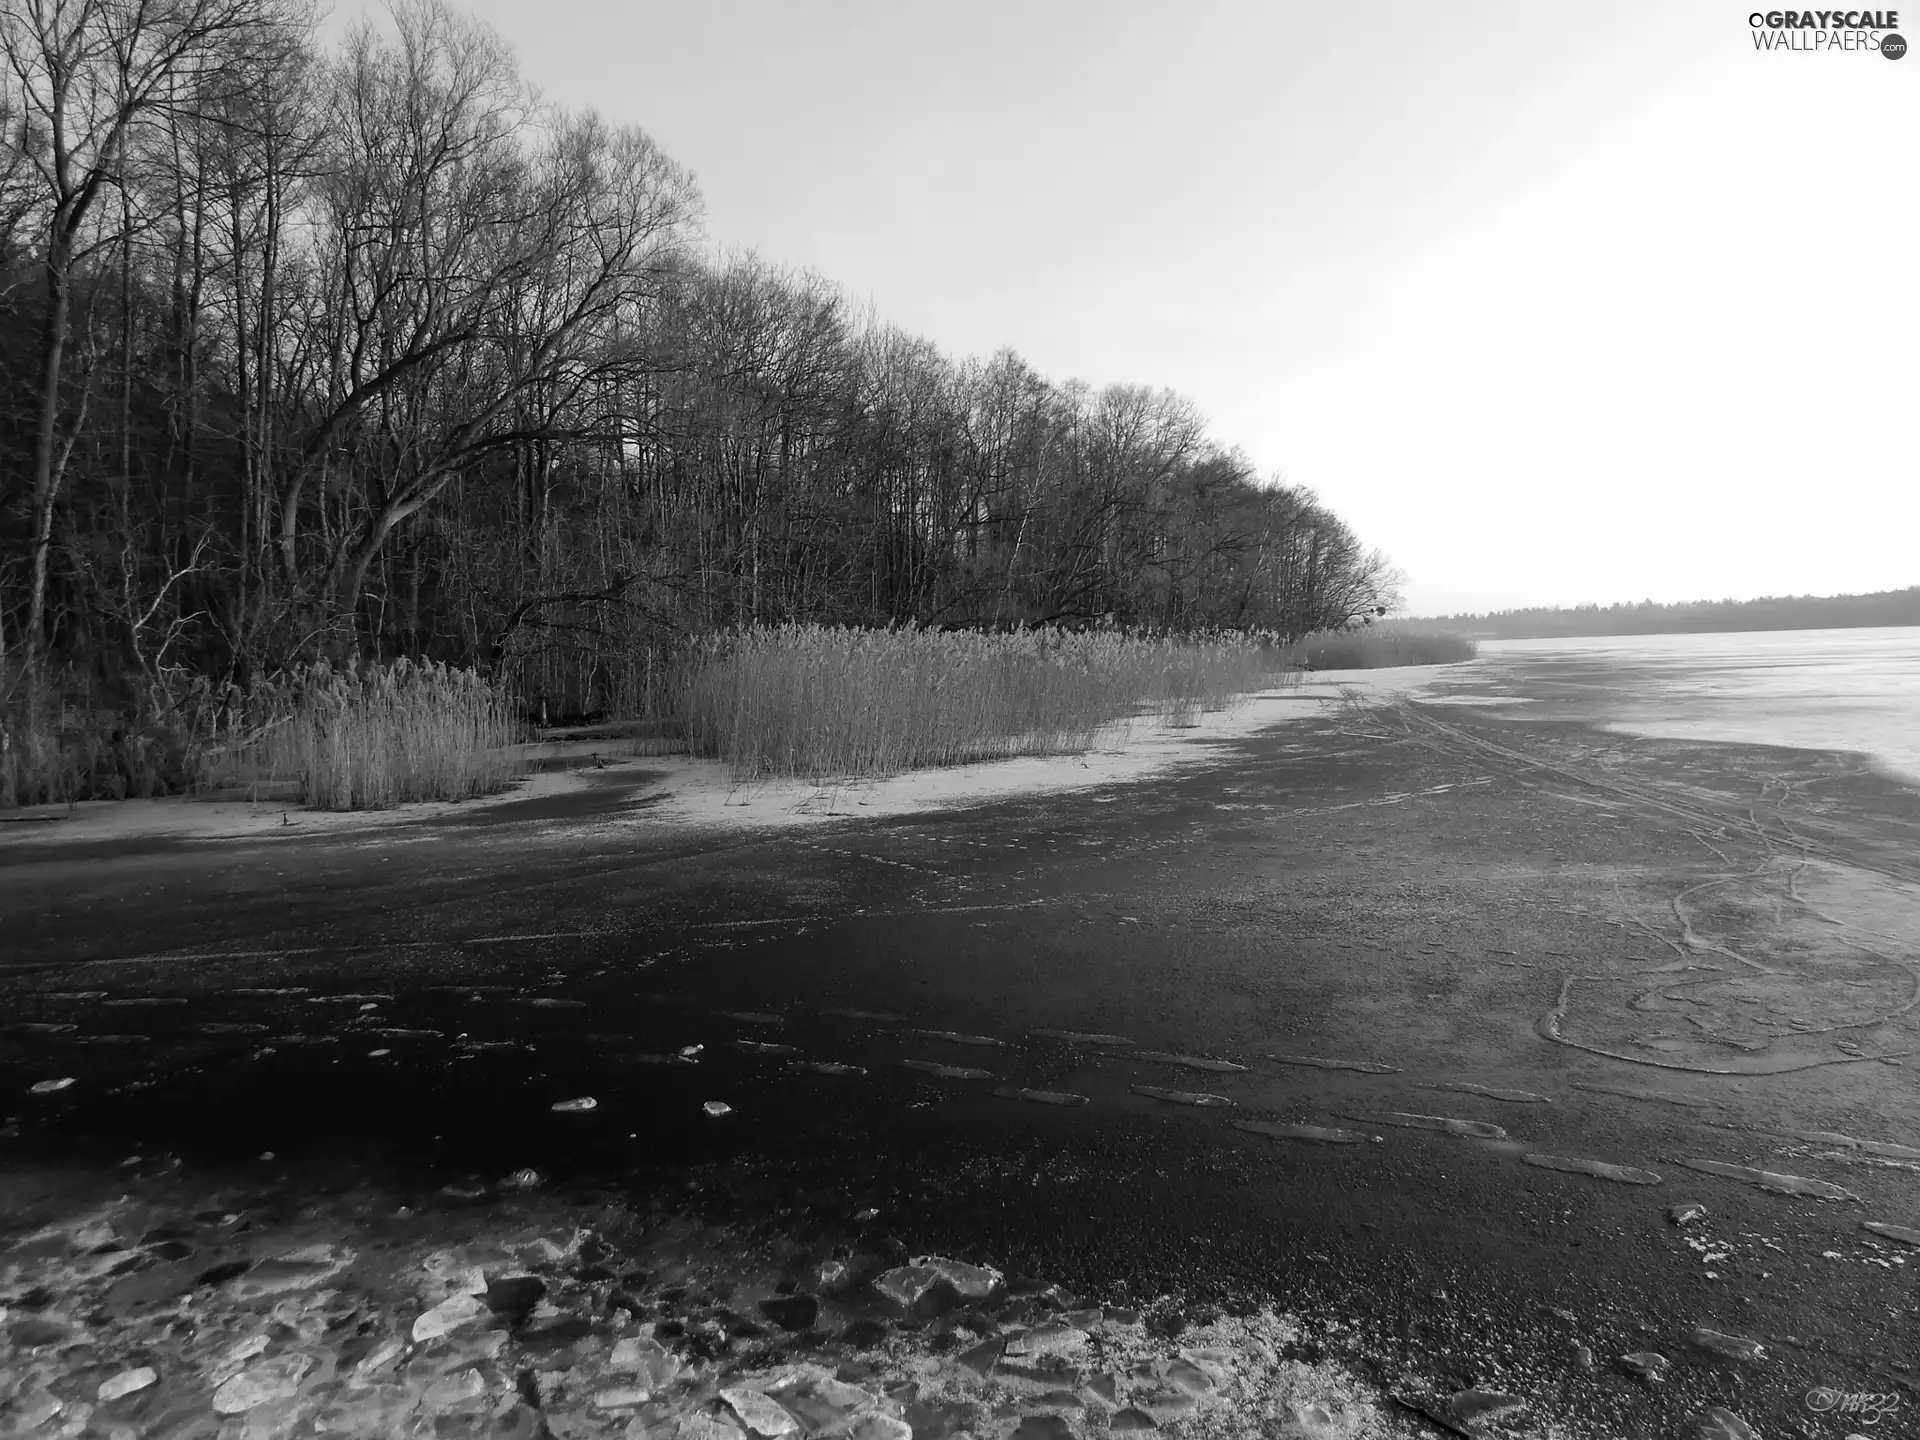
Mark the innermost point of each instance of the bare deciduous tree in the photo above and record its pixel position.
(84, 74)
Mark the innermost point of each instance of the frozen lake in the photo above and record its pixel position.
(1856, 689)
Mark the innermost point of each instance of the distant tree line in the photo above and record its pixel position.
(367, 350)
(1772, 612)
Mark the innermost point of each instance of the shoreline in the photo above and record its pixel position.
(682, 793)
(650, 792)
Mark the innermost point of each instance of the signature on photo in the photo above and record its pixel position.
(1866, 1406)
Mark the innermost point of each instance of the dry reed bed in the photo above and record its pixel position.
(815, 702)
(366, 739)
(808, 702)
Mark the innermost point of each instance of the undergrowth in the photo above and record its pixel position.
(68, 735)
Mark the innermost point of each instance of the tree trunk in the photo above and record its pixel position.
(48, 458)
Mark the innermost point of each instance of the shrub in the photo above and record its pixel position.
(67, 736)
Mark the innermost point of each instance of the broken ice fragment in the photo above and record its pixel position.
(1280, 1131)
(1473, 1129)
(1039, 1097)
(297, 1270)
(1726, 1347)
(261, 1382)
(1647, 1364)
(1769, 1180)
(1365, 1066)
(954, 1037)
(620, 1397)
(946, 1072)
(762, 1416)
(449, 1315)
(1186, 1062)
(1468, 1087)
(1599, 1169)
(980, 1359)
(1182, 1097)
(1882, 1148)
(973, 1282)
(450, 1390)
(1051, 1339)
(933, 1283)
(1719, 1423)
(126, 1382)
(648, 1360)
(236, 1358)
(1467, 1406)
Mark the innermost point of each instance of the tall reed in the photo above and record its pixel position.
(366, 739)
(817, 702)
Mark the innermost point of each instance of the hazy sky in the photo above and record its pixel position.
(1555, 304)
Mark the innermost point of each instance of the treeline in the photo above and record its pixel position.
(366, 350)
(1782, 612)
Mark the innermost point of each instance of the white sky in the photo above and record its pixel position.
(1554, 304)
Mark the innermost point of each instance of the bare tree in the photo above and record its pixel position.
(476, 253)
(84, 73)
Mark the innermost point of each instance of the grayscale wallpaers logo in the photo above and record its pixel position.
(1813, 31)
